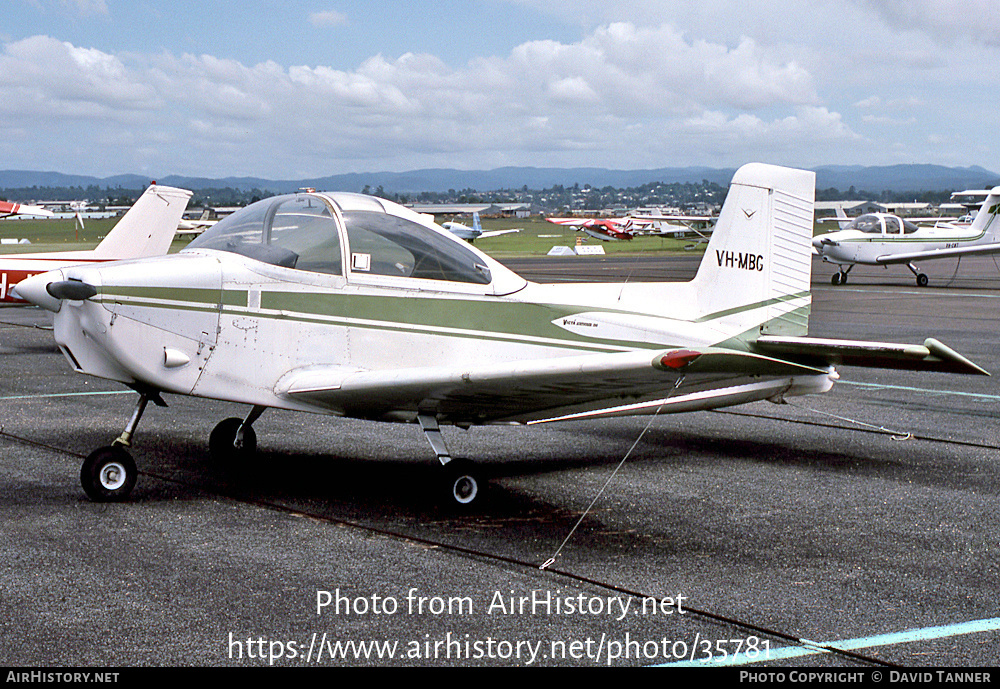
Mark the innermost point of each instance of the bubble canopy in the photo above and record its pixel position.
(315, 232)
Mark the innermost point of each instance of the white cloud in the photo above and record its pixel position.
(86, 7)
(43, 76)
(622, 96)
(328, 19)
(969, 20)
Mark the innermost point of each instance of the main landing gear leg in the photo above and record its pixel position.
(234, 441)
(109, 473)
(921, 278)
(463, 483)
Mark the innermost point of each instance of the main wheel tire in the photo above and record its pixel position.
(835, 279)
(108, 474)
(922, 280)
(224, 446)
(464, 483)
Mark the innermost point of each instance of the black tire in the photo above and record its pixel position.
(835, 280)
(922, 280)
(223, 446)
(464, 483)
(108, 474)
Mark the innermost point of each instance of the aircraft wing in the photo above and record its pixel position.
(496, 233)
(679, 218)
(587, 222)
(930, 356)
(7, 208)
(523, 391)
(889, 259)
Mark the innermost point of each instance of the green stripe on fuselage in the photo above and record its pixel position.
(482, 318)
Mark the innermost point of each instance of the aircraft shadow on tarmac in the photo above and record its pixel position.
(397, 475)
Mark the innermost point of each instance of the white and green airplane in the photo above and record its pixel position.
(353, 306)
(883, 239)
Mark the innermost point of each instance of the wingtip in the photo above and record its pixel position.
(942, 351)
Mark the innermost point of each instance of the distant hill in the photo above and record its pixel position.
(873, 179)
(905, 178)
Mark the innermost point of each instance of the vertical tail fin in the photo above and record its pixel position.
(845, 221)
(149, 225)
(754, 277)
(476, 225)
(986, 219)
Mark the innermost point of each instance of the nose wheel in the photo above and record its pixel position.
(840, 278)
(108, 474)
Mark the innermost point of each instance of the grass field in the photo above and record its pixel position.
(54, 235)
(536, 238)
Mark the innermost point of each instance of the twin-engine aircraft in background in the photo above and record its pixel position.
(605, 229)
(146, 229)
(471, 234)
(8, 209)
(645, 224)
(353, 306)
(881, 239)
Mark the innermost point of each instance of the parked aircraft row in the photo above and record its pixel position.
(353, 306)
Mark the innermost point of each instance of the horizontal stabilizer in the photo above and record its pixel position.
(930, 356)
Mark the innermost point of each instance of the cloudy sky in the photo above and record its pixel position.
(317, 87)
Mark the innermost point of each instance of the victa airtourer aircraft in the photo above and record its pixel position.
(353, 306)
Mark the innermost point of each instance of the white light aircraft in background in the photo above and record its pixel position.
(882, 239)
(471, 234)
(146, 229)
(677, 226)
(195, 226)
(354, 306)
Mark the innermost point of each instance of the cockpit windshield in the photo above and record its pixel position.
(293, 231)
(881, 224)
(871, 224)
(302, 231)
(385, 244)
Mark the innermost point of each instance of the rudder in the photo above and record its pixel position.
(754, 277)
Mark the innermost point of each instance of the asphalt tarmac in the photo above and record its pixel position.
(856, 529)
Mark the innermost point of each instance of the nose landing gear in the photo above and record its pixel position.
(840, 278)
(109, 473)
